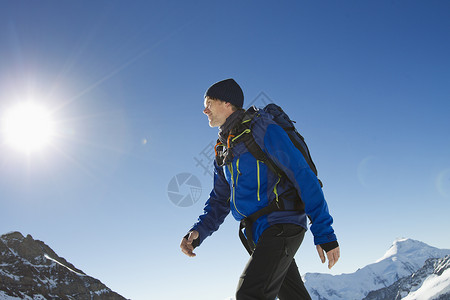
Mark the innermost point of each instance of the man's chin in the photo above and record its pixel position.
(212, 124)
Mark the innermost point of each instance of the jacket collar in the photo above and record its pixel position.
(229, 124)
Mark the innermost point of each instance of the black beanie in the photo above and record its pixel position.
(227, 90)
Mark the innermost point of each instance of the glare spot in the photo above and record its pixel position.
(443, 183)
(366, 171)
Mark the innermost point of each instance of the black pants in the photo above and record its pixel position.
(271, 270)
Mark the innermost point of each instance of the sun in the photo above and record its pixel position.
(28, 127)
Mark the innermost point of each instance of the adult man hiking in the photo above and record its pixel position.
(248, 186)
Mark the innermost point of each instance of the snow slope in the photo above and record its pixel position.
(432, 281)
(432, 288)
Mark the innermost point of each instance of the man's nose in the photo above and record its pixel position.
(206, 111)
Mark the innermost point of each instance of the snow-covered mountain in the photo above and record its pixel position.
(31, 270)
(432, 281)
(405, 257)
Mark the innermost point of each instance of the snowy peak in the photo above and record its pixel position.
(409, 248)
(29, 269)
(404, 257)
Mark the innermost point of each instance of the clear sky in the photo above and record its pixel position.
(368, 83)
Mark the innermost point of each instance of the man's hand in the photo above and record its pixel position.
(333, 256)
(186, 244)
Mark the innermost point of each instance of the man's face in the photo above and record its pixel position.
(217, 111)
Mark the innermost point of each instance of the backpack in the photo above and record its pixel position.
(243, 133)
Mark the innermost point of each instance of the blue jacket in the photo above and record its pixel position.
(246, 185)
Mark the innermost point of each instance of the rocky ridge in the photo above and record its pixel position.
(29, 269)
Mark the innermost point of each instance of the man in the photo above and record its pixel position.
(245, 185)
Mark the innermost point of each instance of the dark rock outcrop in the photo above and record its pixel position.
(30, 268)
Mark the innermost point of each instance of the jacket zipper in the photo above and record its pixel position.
(275, 191)
(259, 179)
(233, 183)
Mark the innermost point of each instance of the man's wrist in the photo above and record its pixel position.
(329, 246)
(195, 243)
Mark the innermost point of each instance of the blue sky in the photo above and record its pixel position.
(368, 83)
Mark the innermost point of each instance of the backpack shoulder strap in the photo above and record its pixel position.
(259, 154)
(243, 133)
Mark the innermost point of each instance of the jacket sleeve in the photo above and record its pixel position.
(217, 207)
(280, 149)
